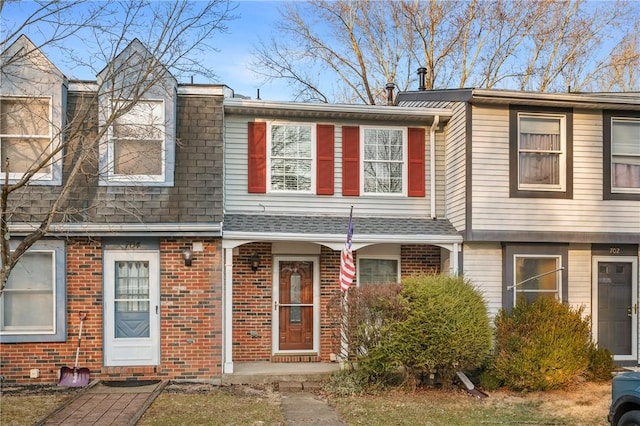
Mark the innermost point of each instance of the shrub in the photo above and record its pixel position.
(346, 383)
(600, 364)
(443, 327)
(541, 345)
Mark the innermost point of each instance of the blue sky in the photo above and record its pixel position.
(256, 21)
(231, 63)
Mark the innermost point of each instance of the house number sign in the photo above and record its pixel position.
(132, 245)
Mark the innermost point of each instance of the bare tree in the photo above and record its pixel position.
(349, 50)
(130, 47)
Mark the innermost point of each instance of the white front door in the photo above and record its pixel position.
(131, 308)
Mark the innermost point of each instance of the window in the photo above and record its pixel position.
(291, 162)
(532, 271)
(25, 133)
(541, 151)
(378, 270)
(535, 277)
(384, 168)
(32, 305)
(137, 143)
(625, 155)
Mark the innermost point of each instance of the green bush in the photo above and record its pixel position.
(442, 327)
(600, 364)
(541, 345)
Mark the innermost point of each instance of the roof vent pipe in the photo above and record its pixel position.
(390, 88)
(422, 78)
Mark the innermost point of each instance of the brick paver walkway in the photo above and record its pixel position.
(104, 405)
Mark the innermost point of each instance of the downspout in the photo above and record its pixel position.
(432, 165)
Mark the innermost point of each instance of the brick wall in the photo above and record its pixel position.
(253, 298)
(191, 322)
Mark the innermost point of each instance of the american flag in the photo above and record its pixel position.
(347, 268)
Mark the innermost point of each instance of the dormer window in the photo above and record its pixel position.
(136, 149)
(25, 135)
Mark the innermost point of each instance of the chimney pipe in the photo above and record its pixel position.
(422, 78)
(390, 88)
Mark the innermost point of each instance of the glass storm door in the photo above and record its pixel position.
(294, 305)
(617, 309)
(132, 335)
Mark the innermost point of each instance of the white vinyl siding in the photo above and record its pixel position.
(494, 210)
(579, 266)
(454, 167)
(483, 268)
(238, 200)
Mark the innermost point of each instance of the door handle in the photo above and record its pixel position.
(275, 305)
(632, 310)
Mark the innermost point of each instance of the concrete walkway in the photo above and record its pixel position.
(307, 408)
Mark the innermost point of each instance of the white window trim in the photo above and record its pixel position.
(115, 178)
(558, 274)
(563, 153)
(614, 189)
(38, 177)
(15, 331)
(405, 153)
(313, 158)
(360, 257)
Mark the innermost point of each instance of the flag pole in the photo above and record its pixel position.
(347, 274)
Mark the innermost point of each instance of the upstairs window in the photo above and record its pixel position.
(541, 143)
(384, 167)
(625, 155)
(136, 149)
(291, 161)
(25, 136)
(541, 152)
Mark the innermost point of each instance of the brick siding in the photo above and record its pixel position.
(190, 309)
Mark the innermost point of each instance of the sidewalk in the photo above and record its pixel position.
(120, 406)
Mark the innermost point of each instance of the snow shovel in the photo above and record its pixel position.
(75, 377)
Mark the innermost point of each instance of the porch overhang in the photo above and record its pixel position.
(330, 231)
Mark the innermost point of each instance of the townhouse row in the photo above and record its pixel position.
(204, 230)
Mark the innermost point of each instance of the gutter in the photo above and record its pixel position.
(432, 165)
(212, 229)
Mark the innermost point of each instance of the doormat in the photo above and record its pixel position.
(130, 383)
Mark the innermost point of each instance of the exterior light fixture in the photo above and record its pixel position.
(255, 262)
(187, 255)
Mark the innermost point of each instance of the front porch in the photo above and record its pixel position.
(276, 372)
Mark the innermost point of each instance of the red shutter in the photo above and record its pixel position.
(350, 160)
(416, 163)
(325, 162)
(257, 157)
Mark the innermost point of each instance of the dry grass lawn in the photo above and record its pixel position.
(585, 404)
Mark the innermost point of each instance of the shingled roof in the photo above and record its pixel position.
(334, 228)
